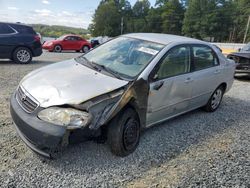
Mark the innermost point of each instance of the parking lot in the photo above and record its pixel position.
(195, 149)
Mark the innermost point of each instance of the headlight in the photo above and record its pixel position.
(49, 43)
(68, 117)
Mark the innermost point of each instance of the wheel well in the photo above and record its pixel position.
(128, 105)
(23, 47)
(85, 45)
(132, 105)
(58, 45)
(224, 86)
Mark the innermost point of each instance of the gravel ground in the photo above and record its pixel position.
(197, 149)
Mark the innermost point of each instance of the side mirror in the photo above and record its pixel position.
(239, 49)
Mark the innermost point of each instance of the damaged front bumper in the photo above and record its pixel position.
(42, 137)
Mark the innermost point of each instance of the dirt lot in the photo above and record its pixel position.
(197, 149)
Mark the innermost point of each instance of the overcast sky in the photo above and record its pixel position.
(75, 13)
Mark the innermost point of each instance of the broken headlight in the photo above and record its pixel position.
(68, 117)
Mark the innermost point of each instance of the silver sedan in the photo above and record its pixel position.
(119, 88)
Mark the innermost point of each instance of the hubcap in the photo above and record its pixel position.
(131, 134)
(85, 49)
(57, 48)
(216, 98)
(23, 56)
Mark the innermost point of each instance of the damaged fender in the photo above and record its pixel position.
(107, 106)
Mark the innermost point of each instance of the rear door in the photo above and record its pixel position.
(206, 74)
(7, 35)
(170, 90)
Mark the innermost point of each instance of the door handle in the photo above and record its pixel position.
(216, 71)
(188, 80)
(158, 85)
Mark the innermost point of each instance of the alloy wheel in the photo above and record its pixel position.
(216, 99)
(23, 56)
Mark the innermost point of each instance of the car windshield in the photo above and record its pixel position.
(124, 56)
(61, 37)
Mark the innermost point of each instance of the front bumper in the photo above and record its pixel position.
(45, 47)
(40, 136)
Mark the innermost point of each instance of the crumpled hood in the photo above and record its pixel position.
(68, 82)
(242, 54)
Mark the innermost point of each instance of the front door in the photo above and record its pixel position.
(170, 89)
(70, 43)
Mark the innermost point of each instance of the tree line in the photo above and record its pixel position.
(56, 31)
(212, 20)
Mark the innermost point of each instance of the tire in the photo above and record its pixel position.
(57, 48)
(124, 133)
(85, 49)
(215, 100)
(22, 55)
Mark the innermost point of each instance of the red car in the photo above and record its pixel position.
(67, 42)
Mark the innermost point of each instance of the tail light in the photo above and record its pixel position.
(37, 38)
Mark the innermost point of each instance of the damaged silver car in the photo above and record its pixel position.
(118, 89)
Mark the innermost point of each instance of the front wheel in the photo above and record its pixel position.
(215, 100)
(124, 133)
(57, 48)
(22, 55)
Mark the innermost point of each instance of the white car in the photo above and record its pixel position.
(119, 88)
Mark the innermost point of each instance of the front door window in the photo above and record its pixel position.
(176, 62)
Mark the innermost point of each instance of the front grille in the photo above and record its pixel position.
(25, 101)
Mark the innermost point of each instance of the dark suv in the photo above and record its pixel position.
(19, 42)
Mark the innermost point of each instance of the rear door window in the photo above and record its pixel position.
(204, 57)
(24, 29)
(5, 29)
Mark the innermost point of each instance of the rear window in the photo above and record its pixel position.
(24, 29)
(5, 29)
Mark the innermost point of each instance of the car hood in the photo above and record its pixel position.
(68, 82)
(53, 41)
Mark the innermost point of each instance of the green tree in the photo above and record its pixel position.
(154, 20)
(172, 17)
(208, 19)
(106, 20)
(242, 12)
(140, 10)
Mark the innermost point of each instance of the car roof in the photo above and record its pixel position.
(72, 35)
(161, 38)
(19, 24)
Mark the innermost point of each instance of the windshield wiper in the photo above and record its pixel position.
(102, 67)
(99, 68)
(89, 62)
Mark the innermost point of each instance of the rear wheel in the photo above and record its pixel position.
(85, 49)
(57, 48)
(124, 133)
(215, 100)
(22, 55)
